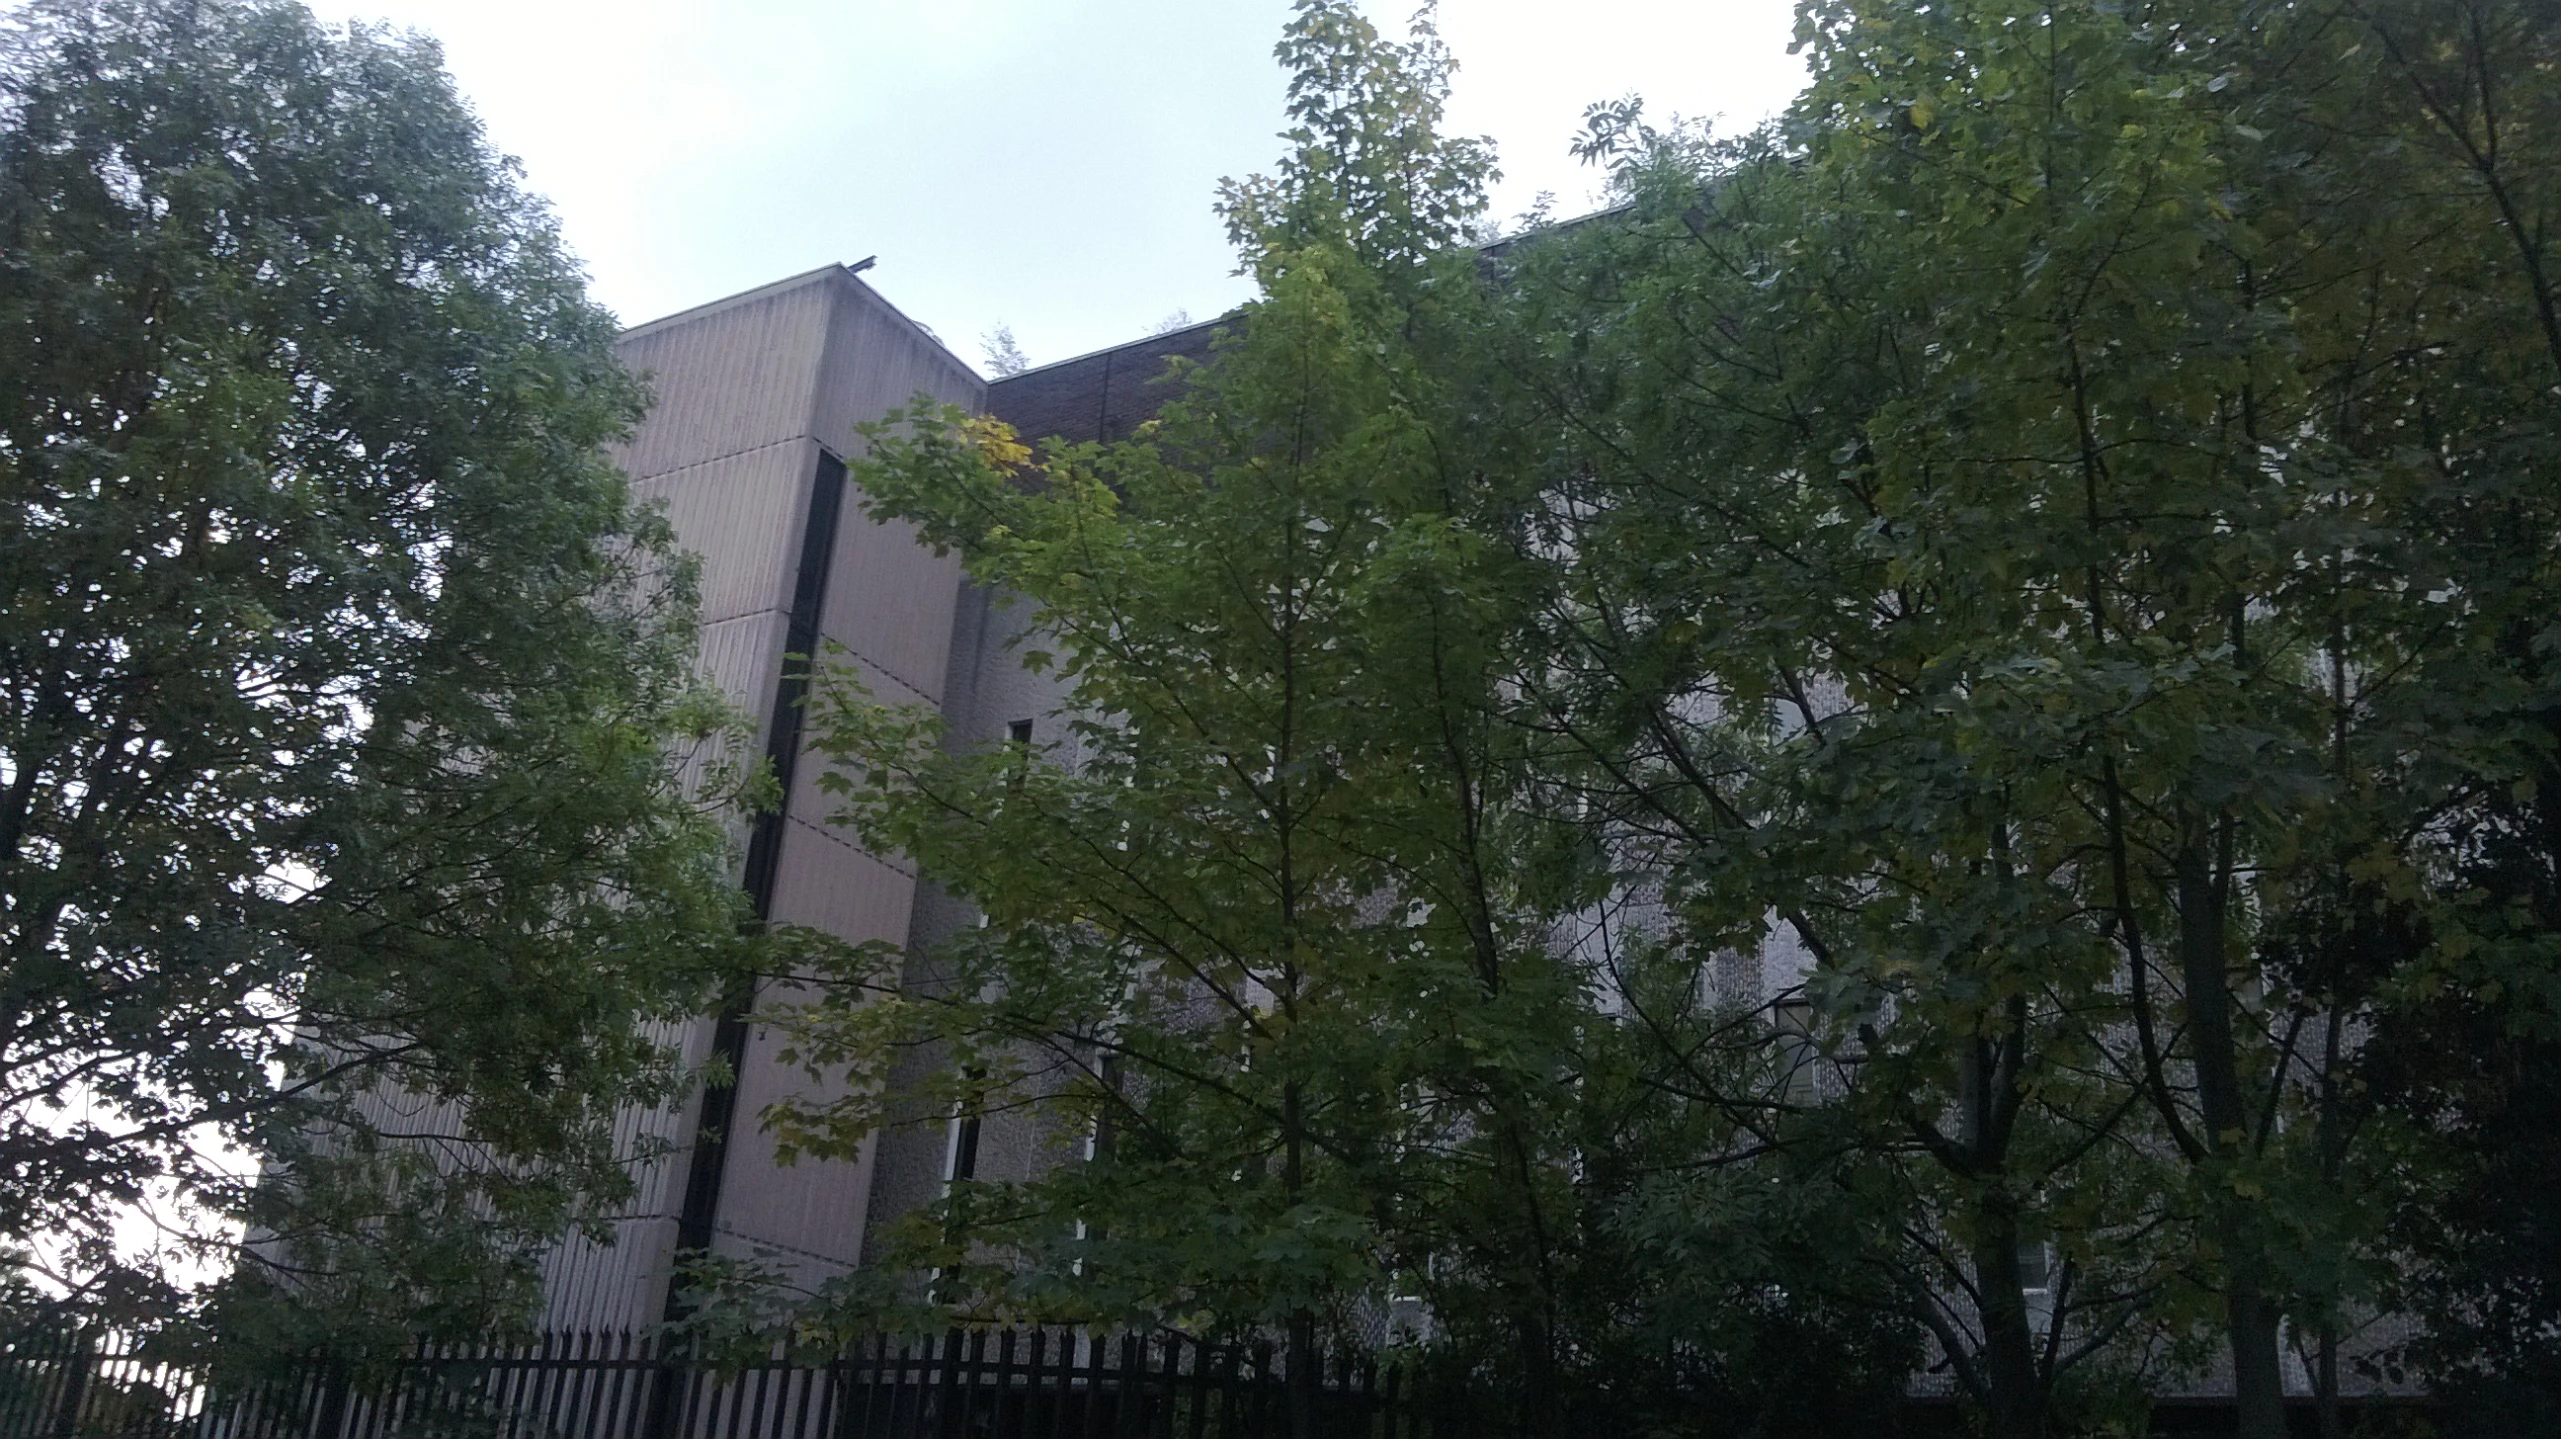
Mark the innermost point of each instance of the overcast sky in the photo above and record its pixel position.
(1045, 163)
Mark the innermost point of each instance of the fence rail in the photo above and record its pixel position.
(965, 1384)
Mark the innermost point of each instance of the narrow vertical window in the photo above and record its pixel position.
(960, 1157)
(1018, 738)
(1098, 1139)
(1794, 1020)
(2036, 1267)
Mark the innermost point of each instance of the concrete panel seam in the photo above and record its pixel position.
(755, 614)
(828, 832)
(717, 459)
(902, 681)
(779, 1247)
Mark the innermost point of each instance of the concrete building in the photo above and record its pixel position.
(758, 396)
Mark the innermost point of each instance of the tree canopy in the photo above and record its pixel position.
(1979, 658)
(1930, 751)
(2064, 524)
(343, 683)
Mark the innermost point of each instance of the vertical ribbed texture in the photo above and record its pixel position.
(756, 396)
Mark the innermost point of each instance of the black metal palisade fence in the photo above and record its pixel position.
(966, 1384)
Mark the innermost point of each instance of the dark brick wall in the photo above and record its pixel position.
(1101, 396)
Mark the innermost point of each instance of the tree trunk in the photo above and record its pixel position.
(1541, 1414)
(2326, 1391)
(1302, 1378)
(2250, 1318)
(2325, 1379)
(2258, 1386)
(1988, 1086)
(2009, 1351)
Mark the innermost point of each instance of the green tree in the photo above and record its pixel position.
(1265, 925)
(1936, 1062)
(2460, 956)
(2058, 532)
(1298, 927)
(2063, 527)
(346, 685)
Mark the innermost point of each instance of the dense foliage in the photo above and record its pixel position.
(1928, 750)
(343, 684)
(1272, 936)
(2066, 525)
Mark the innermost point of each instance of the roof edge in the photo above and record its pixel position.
(832, 272)
(1141, 341)
(707, 307)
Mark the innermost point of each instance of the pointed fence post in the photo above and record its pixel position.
(74, 1394)
(664, 1415)
(333, 1401)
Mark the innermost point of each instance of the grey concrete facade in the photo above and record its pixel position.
(757, 399)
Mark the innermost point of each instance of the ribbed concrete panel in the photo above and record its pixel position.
(741, 515)
(722, 756)
(623, 1282)
(888, 598)
(619, 1284)
(744, 656)
(807, 801)
(826, 883)
(987, 692)
(808, 1216)
(889, 601)
(813, 1208)
(748, 390)
(972, 614)
(1001, 691)
(877, 360)
(729, 377)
